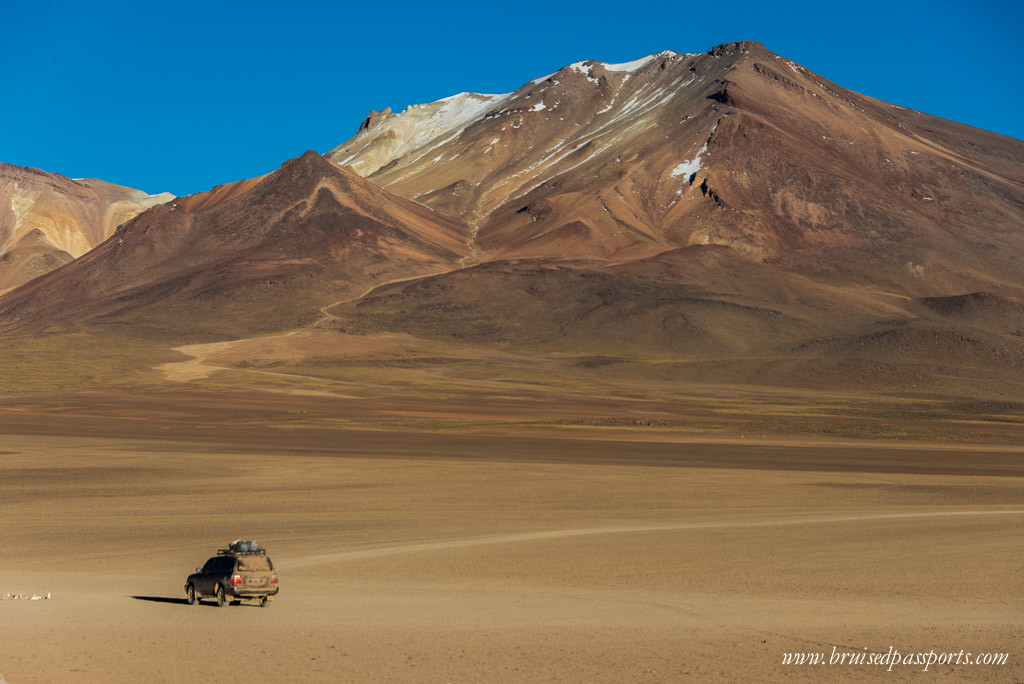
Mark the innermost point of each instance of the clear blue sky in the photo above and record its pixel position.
(184, 95)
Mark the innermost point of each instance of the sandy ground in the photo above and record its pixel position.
(410, 557)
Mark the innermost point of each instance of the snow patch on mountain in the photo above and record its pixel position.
(690, 167)
(417, 126)
(637, 63)
(585, 69)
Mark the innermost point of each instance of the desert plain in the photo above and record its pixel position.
(466, 540)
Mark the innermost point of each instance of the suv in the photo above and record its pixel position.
(241, 571)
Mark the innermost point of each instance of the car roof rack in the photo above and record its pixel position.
(242, 547)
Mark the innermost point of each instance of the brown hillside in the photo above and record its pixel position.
(261, 256)
(47, 219)
(737, 147)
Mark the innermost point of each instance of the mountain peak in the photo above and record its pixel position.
(310, 159)
(375, 117)
(384, 136)
(738, 47)
(309, 165)
(672, 150)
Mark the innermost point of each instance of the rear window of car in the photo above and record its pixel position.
(255, 563)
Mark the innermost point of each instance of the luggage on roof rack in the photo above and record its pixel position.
(242, 546)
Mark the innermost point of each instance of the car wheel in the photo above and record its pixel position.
(190, 595)
(221, 599)
(264, 601)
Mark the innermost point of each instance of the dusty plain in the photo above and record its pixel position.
(465, 539)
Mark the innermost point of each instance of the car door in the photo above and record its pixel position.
(224, 571)
(208, 576)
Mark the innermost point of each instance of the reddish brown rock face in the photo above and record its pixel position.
(308, 229)
(738, 147)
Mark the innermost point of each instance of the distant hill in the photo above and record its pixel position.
(252, 256)
(46, 219)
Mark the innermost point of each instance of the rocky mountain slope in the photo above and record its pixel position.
(729, 208)
(46, 219)
(737, 147)
(251, 256)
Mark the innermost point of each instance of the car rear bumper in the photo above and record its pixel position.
(251, 593)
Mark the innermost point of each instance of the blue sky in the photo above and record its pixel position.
(181, 96)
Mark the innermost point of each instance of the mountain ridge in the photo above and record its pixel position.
(726, 216)
(310, 222)
(611, 187)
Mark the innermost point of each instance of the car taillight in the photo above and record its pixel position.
(236, 579)
(273, 579)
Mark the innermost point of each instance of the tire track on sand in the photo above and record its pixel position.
(364, 554)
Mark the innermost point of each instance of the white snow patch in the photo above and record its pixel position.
(687, 168)
(691, 166)
(415, 127)
(584, 68)
(538, 107)
(630, 66)
(637, 63)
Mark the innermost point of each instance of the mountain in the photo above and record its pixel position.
(252, 256)
(737, 147)
(731, 210)
(46, 219)
(724, 217)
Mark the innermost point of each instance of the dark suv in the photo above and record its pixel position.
(241, 571)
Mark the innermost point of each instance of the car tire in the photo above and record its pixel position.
(264, 601)
(190, 595)
(221, 598)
